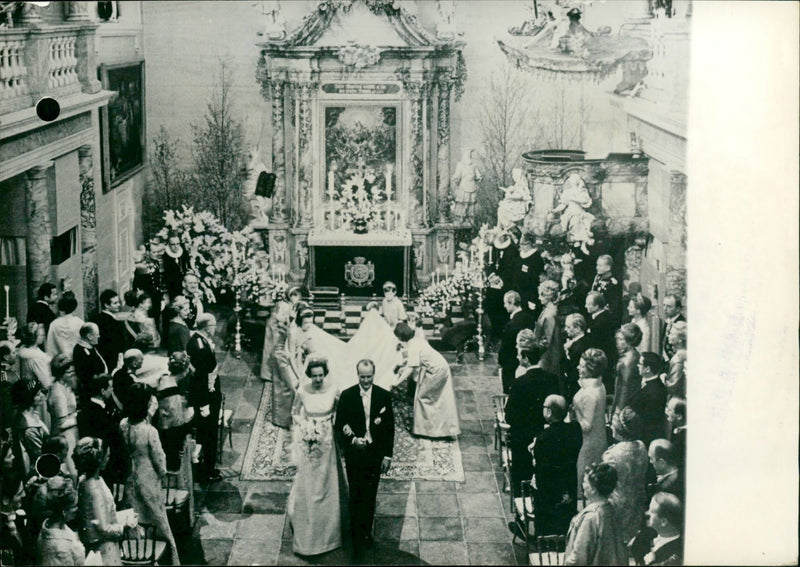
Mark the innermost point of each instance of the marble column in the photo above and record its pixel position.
(39, 232)
(305, 169)
(88, 230)
(77, 11)
(278, 152)
(445, 86)
(29, 15)
(415, 91)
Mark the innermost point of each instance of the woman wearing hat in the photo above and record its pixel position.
(629, 457)
(57, 543)
(174, 413)
(29, 430)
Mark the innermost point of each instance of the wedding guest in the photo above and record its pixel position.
(64, 332)
(286, 306)
(148, 465)
(629, 457)
(575, 345)
(41, 311)
(627, 379)
(606, 284)
(193, 293)
(153, 365)
(29, 431)
(7, 415)
(100, 418)
(111, 343)
(177, 329)
(33, 361)
(589, 409)
(125, 377)
(639, 311)
(594, 537)
(507, 354)
(174, 416)
(573, 290)
(148, 276)
(101, 530)
(676, 424)
(284, 379)
(650, 400)
(298, 341)
(391, 307)
(63, 406)
(268, 367)
(661, 542)
(501, 271)
(524, 413)
(314, 506)
(87, 359)
(526, 340)
(57, 543)
(670, 477)
(601, 331)
(530, 267)
(205, 393)
(555, 455)
(47, 466)
(672, 314)
(676, 376)
(435, 413)
(547, 332)
(176, 266)
(140, 322)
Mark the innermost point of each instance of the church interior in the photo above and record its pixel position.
(456, 155)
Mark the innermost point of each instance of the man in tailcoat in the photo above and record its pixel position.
(605, 283)
(507, 354)
(41, 311)
(602, 329)
(365, 429)
(112, 331)
(87, 360)
(530, 266)
(650, 401)
(672, 315)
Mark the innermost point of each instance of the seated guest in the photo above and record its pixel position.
(547, 331)
(627, 379)
(177, 328)
(555, 457)
(87, 359)
(661, 542)
(594, 537)
(125, 377)
(507, 354)
(524, 413)
(64, 332)
(57, 543)
(33, 361)
(99, 418)
(650, 400)
(174, 415)
(111, 343)
(577, 342)
(676, 376)
(670, 477)
(676, 424)
(601, 332)
(41, 311)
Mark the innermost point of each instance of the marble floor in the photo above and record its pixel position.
(420, 522)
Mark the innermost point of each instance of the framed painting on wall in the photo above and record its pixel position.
(123, 122)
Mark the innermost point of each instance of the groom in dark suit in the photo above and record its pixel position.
(365, 428)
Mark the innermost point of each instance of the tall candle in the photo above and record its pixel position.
(5, 287)
(445, 271)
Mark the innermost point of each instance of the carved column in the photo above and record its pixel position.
(415, 90)
(77, 11)
(39, 232)
(305, 169)
(445, 85)
(88, 229)
(29, 15)
(676, 247)
(278, 149)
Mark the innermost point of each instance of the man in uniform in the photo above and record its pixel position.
(605, 283)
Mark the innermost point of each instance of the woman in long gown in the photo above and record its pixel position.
(589, 409)
(284, 379)
(435, 413)
(547, 332)
(299, 342)
(629, 457)
(316, 500)
(148, 465)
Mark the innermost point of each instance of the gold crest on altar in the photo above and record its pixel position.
(359, 272)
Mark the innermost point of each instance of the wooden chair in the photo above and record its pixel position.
(141, 546)
(502, 439)
(549, 550)
(524, 513)
(225, 416)
(176, 501)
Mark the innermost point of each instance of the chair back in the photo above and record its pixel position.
(141, 547)
(550, 549)
(118, 492)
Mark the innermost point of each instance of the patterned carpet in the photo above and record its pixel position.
(268, 452)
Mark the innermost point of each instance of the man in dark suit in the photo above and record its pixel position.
(87, 360)
(669, 476)
(672, 315)
(99, 418)
(365, 429)
(112, 332)
(41, 311)
(602, 329)
(125, 377)
(193, 293)
(503, 265)
(555, 455)
(661, 542)
(676, 425)
(176, 265)
(524, 413)
(605, 283)
(507, 354)
(205, 394)
(651, 399)
(530, 266)
(577, 342)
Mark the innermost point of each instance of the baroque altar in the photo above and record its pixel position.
(360, 94)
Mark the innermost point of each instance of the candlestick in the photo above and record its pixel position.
(6, 288)
(237, 345)
(445, 271)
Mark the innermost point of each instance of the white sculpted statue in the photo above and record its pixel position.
(260, 207)
(275, 23)
(465, 185)
(517, 199)
(573, 205)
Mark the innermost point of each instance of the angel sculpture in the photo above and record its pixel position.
(573, 207)
(514, 205)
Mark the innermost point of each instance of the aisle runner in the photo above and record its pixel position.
(268, 452)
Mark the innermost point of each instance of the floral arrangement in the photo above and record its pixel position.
(310, 431)
(437, 297)
(358, 56)
(358, 201)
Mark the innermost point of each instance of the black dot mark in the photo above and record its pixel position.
(48, 109)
